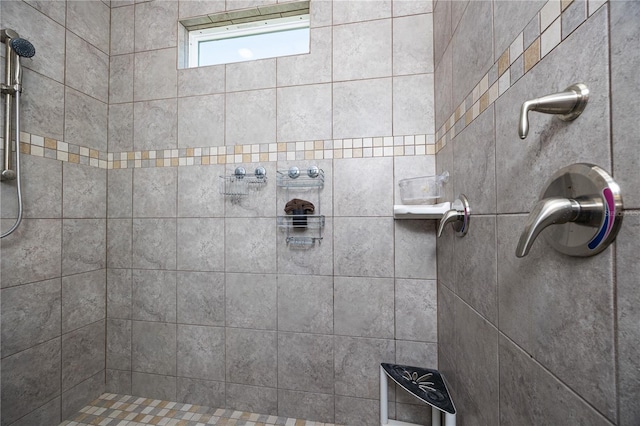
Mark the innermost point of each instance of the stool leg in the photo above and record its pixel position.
(449, 419)
(435, 417)
(384, 404)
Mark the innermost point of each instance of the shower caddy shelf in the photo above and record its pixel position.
(314, 223)
(241, 183)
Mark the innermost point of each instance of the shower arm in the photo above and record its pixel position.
(567, 105)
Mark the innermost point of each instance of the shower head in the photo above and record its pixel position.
(22, 47)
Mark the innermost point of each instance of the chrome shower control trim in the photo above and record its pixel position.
(586, 204)
(568, 105)
(458, 216)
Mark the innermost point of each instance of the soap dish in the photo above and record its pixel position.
(422, 190)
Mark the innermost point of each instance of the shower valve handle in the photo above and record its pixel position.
(458, 216)
(585, 205)
(550, 211)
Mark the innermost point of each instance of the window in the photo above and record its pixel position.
(251, 34)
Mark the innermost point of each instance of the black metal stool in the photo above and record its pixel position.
(426, 385)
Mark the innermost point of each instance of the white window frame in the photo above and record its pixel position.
(241, 30)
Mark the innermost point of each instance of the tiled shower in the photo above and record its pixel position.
(132, 274)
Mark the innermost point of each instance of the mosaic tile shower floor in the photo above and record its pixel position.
(125, 410)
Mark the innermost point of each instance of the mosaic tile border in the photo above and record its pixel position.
(528, 48)
(126, 410)
(383, 146)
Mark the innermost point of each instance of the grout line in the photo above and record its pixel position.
(614, 247)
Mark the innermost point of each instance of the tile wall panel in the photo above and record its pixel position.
(83, 245)
(42, 239)
(84, 191)
(472, 49)
(193, 390)
(41, 301)
(201, 352)
(346, 12)
(624, 62)
(200, 120)
(122, 27)
(363, 307)
(155, 25)
(90, 20)
(119, 243)
(201, 298)
(154, 75)
(121, 80)
(43, 180)
(355, 47)
(250, 75)
(252, 398)
(192, 243)
(251, 301)
(83, 299)
(513, 298)
(43, 32)
(85, 120)
(553, 144)
(304, 113)
(80, 395)
(627, 297)
(314, 68)
(156, 124)
(153, 385)
(83, 354)
(46, 413)
(87, 69)
(41, 111)
(515, 366)
(30, 379)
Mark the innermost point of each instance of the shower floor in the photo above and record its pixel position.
(125, 410)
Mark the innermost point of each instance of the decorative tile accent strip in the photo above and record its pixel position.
(383, 146)
(120, 410)
(509, 67)
(40, 146)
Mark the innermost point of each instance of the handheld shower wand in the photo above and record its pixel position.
(16, 48)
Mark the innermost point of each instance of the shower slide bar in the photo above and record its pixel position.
(15, 48)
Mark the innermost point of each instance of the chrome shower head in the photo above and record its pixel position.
(22, 47)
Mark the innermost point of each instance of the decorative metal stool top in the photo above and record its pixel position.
(426, 385)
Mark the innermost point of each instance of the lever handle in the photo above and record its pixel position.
(568, 105)
(449, 216)
(549, 211)
(586, 204)
(458, 216)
